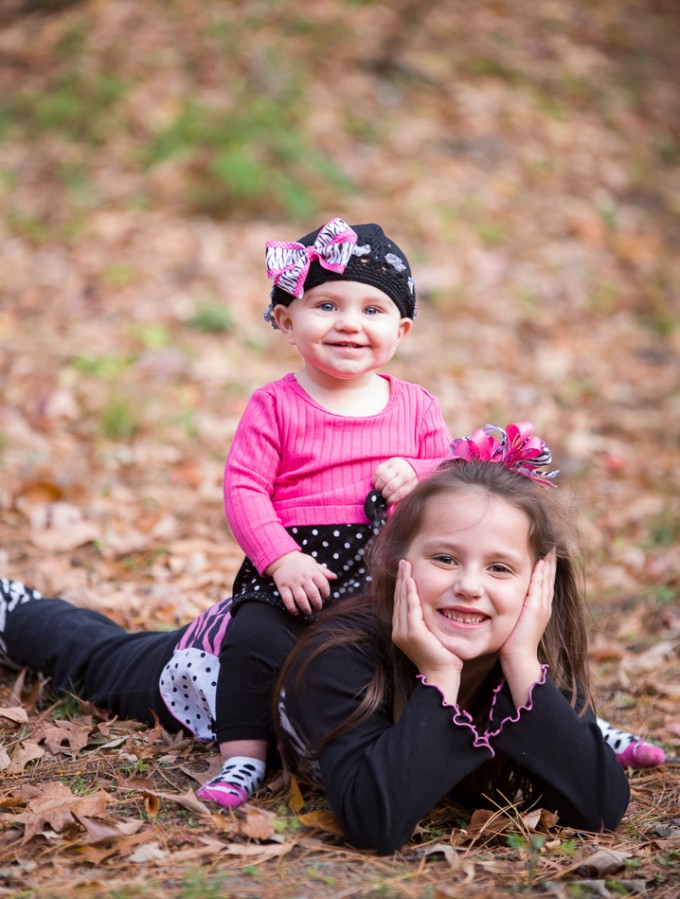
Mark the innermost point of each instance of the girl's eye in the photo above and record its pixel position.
(499, 568)
(445, 559)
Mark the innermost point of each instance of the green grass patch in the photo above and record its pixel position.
(77, 106)
(118, 274)
(106, 368)
(119, 420)
(213, 318)
(252, 157)
(152, 336)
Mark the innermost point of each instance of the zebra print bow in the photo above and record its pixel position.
(288, 262)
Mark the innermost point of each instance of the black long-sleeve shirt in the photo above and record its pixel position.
(382, 777)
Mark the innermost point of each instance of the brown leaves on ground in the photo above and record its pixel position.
(527, 158)
(94, 792)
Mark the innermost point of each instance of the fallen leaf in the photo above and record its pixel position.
(259, 824)
(63, 539)
(484, 821)
(67, 737)
(532, 819)
(52, 806)
(446, 850)
(602, 863)
(259, 854)
(210, 850)
(152, 804)
(668, 830)
(92, 804)
(187, 800)
(149, 852)
(98, 831)
(496, 866)
(15, 713)
(548, 819)
(295, 801)
(94, 855)
(35, 493)
(453, 892)
(128, 828)
(55, 805)
(201, 777)
(26, 751)
(131, 843)
(320, 820)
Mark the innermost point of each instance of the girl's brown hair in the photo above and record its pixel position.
(366, 621)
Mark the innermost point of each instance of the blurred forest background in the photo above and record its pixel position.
(527, 159)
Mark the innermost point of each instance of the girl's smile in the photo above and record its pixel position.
(472, 564)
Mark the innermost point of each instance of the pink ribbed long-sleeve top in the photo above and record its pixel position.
(292, 462)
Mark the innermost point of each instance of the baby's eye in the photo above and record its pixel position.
(372, 310)
(326, 307)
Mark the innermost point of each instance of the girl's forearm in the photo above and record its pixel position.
(446, 681)
(521, 674)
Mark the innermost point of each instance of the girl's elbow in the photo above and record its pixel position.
(597, 822)
(615, 815)
(380, 843)
(597, 819)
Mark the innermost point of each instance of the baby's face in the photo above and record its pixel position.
(343, 329)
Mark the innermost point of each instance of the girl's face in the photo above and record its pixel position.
(344, 330)
(472, 564)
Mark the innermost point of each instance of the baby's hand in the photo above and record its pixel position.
(302, 583)
(395, 479)
(410, 633)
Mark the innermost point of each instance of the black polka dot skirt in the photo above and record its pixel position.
(341, 547)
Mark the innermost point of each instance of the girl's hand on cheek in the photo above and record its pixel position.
(519, 653)
(410, 633)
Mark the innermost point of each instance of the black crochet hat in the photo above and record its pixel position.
(374, 260)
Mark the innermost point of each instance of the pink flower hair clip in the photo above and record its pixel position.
(516, 447)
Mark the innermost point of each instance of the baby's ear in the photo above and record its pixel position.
(405, 326)
(282, 316)
(284, 322)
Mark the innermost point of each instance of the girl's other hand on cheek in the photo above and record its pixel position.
(519, 653)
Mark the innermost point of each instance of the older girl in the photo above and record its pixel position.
(463, 674)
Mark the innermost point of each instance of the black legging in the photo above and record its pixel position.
(84, 652)
(257, 643)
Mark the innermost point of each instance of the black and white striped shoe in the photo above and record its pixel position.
(632, 751)
(240, 777)
(12, 594)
